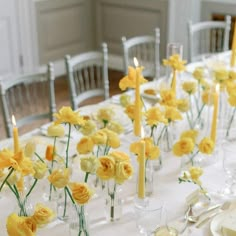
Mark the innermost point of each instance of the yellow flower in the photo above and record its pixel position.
(119, 156)
(26, 167)
(189, 87)
(192, 133)
(66, 115)
(113, 139)
(56, 130)
(85, 145)
(198, 73)
(207, 97)
(99, 137)
(125, 99)
(152, 152)
(88, 128)
(7, 159)
(42, 214)
(172, 114)
(183, 146)
(106, 169)
(205, 85)
(232, 100)
(195, 173)
(115, 127)
(89, 164)
(123, 171)
(154, 116)
(20, 226)
(221, 75)
(81, 193)
(231, 88)
(59, 178)
(175, 62)
(232, 75)
(206, 145)
(168, 97)
(129, 81)
(183, 104)
(14, 178)
(130, 111)
(30, 148)
(105, 114)
(49, 152)
(40, 169)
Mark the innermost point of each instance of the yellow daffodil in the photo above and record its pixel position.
(154, 116)
(168, 97)
(175, 62)
(172, 114)
(189, 87)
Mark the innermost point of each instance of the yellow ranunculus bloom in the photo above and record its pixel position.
(206, 146)
(119, 156)
(20, 226)
(154, 116)
(99, 138)
(172, 114)
(207, 97)
(232, 100)
(221, 75)
(195, 173)
(40, 169)
(59, 178)
(129, 81)
(89, 164)
(130, 111)
(183, 104)
(30, 148)
(42, 214)
(198, 73)
(56, 130)
(192, 133)
(88, 128)
(81, 193)
(175, 62)
(115, 127)
(189, 87)
(105, 114)
(67, 115)
(113, 139)
(123, 171)
(168, 97)
(85, 145)
(183, 146)
(106, 169)
(125, 100)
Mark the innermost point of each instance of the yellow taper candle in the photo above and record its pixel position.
(137, 114)
(233, 54)
(141, 173)
(215, 113)
(15, 135)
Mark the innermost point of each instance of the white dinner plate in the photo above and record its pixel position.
(216, 222)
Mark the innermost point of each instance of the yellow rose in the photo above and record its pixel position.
(59, 178)
(30, 148)
(183, 146)
(189, 87)
(198, 73)
(66, 115)
(232, 100)
(192, 133)
(56, 130)
(42, 214)
(99, 138)
(106, 169)
(154, 116)
(207, 97)
(172, 114)
(119, 156)
(89, 164)
(85, 145)
(130, 111)
(183, 105)
(123, 171)
(105, 114)
(113, 139)
(195, 173)
(168, 97)
(206, 146)
(88, 128)
(40, 169)
(81, 193)
(20, 226)
(175, 62)
(115, 127)
(125, 99)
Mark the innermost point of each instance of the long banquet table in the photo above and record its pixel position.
(166, 189)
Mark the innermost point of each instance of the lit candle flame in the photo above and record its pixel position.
(135, 62)
(13, 120)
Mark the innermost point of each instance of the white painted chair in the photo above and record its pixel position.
(30, 98)
(146, 49)
(208, 37)
(87, 74)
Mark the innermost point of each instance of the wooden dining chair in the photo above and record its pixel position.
(30, 98)
(87, 75)
(146, 49)
(208, 37)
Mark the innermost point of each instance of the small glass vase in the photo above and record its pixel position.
(188, 161)
(78, 221)
(24, 206)
(113, 201)
(149, 178)
(64, 207)
(166, 138)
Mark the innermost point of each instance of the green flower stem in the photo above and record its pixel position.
(68, 191)
(191, 110)
(199, 114)
(82, 222)
(189, 121)
(65, 201)
(51, 168)
(67, 146)
(196, 103)
(230, 122)
(141, 98)
(5, 180)
(86, 177)
(159, 138)
(32, 187)
(40, 158)
(21, 204)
